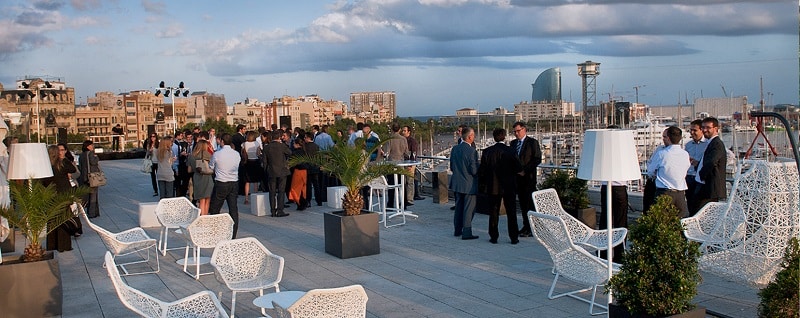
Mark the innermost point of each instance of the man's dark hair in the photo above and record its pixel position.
(520, 124)
(273, 127)
(309, 135)
(696, 122)
(239, 128)
(499, 134)
(315, 127)
(395, 127)
(674, 134)
(711, 120)
(359, 126)
(226, 139)
(365, 125)
(204, 134)
(276, 134)
(410, 130)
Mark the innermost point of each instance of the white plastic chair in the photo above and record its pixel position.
(205, 232)
(202, 304)
(124, 243)
(173, 213)
(569, 260)
(342, 302)
(380, 188)
(245, 265)
(546, 202)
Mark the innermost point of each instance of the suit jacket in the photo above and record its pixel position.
(530, 157)
(713, 171)
(498, 169)
(312, 149)
(464, 164)
(275, 155)
(397, 147)
(237, 140)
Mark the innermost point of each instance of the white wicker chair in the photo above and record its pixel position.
(546, 202)
(569, 260)
(245, 265)
(745, 238)
(202, 304)
(342, 302)
(205, 232)
(174, 213)
(380, 188)
(124, 243)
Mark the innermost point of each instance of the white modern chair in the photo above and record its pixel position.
(174, 213)
(124, 243)
(342, 302)
(205, 232)
(379, 188)
(546, 202)
(569, 260)
(245, 265)
(202, 304)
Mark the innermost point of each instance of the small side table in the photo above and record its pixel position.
(284, 298)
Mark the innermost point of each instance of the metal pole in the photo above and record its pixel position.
(38, 117)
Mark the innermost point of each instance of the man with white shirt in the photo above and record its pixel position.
(668, 166)
(225, 164)
(695, 147)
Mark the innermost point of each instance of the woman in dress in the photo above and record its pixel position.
(297, 192)
(150, 147)
(253, 171)
(165, 176)
(202, 180)
(61, 238)
(89, 162)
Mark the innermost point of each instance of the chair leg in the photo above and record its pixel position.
(572, 294)
(197, 263)
(233, 304)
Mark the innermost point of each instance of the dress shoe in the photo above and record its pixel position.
(409, 204)
(514, 242)
(453, 207)
(280, 215)
(419, 198)
(493, 241)
(457, 234)
(471, 237)
(155, 194)
(525, 234)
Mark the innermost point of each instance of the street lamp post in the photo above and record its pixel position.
(174, 91)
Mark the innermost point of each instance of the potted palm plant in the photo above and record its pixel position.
(573, 194)
(660, 274)
(31, 284)
(351, 232)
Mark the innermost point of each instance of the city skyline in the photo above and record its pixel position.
(437, 55)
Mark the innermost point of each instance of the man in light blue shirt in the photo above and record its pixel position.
(668, 166)
(695, 147)
(225, 164)
(323, 139)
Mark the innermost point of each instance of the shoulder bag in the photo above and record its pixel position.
(147, 164)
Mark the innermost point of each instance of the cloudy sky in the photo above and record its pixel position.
(437, 55)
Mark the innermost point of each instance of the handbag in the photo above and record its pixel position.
(147, 165)
(203, 167)
(97, 179)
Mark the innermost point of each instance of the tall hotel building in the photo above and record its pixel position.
(373, 106)
(546, 99)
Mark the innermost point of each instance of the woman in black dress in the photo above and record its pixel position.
(60, 239)
(89, 162)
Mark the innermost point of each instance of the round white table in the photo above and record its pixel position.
(284, 298)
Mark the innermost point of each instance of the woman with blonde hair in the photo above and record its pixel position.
(253, 170)
(165, 176)
(202, 178)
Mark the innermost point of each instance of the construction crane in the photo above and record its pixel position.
(723, 90)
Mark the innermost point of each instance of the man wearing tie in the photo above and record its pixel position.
(530, 156)
(711, 169)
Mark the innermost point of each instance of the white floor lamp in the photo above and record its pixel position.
(609, 155)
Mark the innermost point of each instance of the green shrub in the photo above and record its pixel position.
(660, 274)
(572, 192)
(780, 297)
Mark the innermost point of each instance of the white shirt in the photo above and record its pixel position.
(696, 150)
(226, 164)
(669, 166)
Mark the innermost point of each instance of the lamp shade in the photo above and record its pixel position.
(29, 161)
(609, 155)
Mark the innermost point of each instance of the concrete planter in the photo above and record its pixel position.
(617, 311)
(348, 236)
(588, 216)
(30, 289)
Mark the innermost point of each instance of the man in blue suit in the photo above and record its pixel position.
(464, 183)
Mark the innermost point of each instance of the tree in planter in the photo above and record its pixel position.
(351, 165)
(572, 192)
(660, 274)
(35, 207)
(781, 296)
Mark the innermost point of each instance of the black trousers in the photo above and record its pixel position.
(691, 200)
(524, 189)
(509, 201)
(314, 183)
(277, 195)
(226, 192)
(619, 214)
(678, 199)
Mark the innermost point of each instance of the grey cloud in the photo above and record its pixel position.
(632, 46)
(35, 18)
(83, 5)
(49, 5)
(153, 7)
(547, 3)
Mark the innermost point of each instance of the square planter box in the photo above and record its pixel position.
(30, 289)
(616, 311)
(348, 236)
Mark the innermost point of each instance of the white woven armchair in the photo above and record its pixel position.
(546, 202)
(202, 304)
(174, 213)
(124, 243)
(342, 302)
(245, 265)
(569, 260)
(205, 232)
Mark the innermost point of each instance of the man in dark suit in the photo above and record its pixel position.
(497, 176)
(530, 156)
(711, 169)
(464, 184)
(275, 155)
(313, 179)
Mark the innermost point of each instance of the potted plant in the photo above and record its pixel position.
(31, 284)
(781, 297)
(573, 194)
(660, 274)
(351, 232)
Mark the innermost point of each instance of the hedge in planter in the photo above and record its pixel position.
(660, 274)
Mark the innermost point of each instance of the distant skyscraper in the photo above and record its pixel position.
(547, 87)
